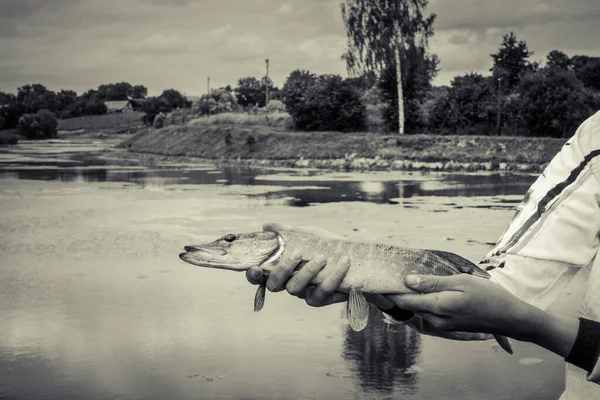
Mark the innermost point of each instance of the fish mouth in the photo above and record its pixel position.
(218, 257)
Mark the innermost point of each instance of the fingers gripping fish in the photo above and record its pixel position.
(374, 268)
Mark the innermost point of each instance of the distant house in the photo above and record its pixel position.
(118, 106)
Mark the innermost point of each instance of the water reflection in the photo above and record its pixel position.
(382, 356)
(300, 191)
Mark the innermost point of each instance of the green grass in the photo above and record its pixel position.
(117, 122)
(230, 141)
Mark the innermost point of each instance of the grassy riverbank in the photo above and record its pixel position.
(350, 151)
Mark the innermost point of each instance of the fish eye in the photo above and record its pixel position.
(229, 238)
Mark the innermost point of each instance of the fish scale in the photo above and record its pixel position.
(374, 267)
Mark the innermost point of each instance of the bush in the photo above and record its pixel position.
(280, 120)
(553, 103)
(274, 106)
(219, 101)
(41, 125)
(159, 120)
(322, 103)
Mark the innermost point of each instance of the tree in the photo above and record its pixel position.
(175, 99)
(220, 100)
(587, 70)
(511, 61)
(248, 91)
(558, 59)
(552, 103)
(42, 124)
(326, 102)
(380, 34)
(66, 100)
(468, 105)
(139, 92)
(295, 87)
(36, 97)
(115, 91)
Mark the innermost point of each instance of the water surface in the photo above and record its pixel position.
(95, 303)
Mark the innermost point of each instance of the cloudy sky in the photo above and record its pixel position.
(162, 44)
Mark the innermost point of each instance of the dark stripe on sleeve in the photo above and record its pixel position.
(544, 201)
(586, 348)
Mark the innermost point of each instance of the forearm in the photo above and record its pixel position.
(577, 340)
(553, 332)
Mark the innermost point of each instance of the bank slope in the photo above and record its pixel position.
(267, 145)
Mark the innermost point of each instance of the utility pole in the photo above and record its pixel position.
(208, 96)
(499, 105)
(267, 83)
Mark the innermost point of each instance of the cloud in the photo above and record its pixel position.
(285, 9)
(161, 44)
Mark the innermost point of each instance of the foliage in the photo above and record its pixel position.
(558, 59)
(281, 120)
(469, 102)
(248, 92)
(325, 102)
(587, 70)
(218, 101)
(41, 125)
(552, 103)
(511, 61)
(251, 92)
(159, 120)
(417, 78)
(376, 29)
(175, 99)
(139, 92)
(274, 106)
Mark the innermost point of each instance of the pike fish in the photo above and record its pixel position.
(374, 267)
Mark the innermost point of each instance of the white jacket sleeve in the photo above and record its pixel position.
(554, 232)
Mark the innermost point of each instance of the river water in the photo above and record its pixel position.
(95, 303)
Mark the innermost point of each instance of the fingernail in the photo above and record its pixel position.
(413, 280)
(296, 255)
(320, 259)
(345, 260)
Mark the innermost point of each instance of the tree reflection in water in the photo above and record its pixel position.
(381, 355)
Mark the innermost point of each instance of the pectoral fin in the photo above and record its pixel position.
(504, 343)
(357, 310)
(259, 297)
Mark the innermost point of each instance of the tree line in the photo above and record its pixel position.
(390, 73)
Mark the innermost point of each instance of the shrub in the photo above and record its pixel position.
(219, 101)
(553, 103)
(41, 125)
(275, 106)
(159, 120)
(48, 123)
(326, 102)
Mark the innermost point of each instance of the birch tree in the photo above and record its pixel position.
(380, 32)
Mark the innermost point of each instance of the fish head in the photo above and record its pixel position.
(237, 252)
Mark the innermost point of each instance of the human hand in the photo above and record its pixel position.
(464, 303)
(256, 276)
(323, 294)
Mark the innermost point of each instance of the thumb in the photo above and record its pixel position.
(432, 283)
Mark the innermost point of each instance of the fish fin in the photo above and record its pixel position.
(357, 310)
(461, 264)
(259, 297)
(504, 343)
